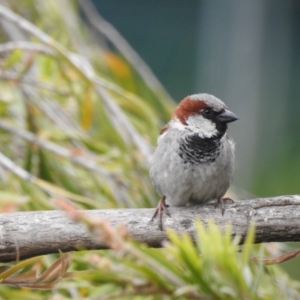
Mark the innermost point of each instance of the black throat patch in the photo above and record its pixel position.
(196, 150)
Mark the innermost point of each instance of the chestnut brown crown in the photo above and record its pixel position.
(207, 105)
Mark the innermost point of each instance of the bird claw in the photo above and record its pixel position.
(160, 209)
(221, 201)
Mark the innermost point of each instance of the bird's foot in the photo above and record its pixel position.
(160, 209)
(221, 201)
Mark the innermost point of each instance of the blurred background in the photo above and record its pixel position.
(80, 111)
(247, 53)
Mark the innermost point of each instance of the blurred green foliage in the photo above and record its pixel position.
(77, 121)
(50, 96)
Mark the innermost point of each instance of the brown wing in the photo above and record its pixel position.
(164, 129)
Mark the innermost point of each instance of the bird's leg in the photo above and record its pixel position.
(160, 209)
(221, 202)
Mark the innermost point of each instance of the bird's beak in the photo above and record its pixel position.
(226, 116)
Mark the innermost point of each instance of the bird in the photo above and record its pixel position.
(193, 161)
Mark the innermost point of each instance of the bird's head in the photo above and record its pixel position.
(203, 114)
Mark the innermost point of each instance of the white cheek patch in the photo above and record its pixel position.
(204, 127)
(176, 124)
(196, 123)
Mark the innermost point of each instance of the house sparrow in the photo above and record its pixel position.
(194, 158)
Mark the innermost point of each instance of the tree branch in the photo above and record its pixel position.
(27, 234)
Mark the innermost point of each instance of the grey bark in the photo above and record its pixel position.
(27, 234)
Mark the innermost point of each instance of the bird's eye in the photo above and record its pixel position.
(206, 111)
